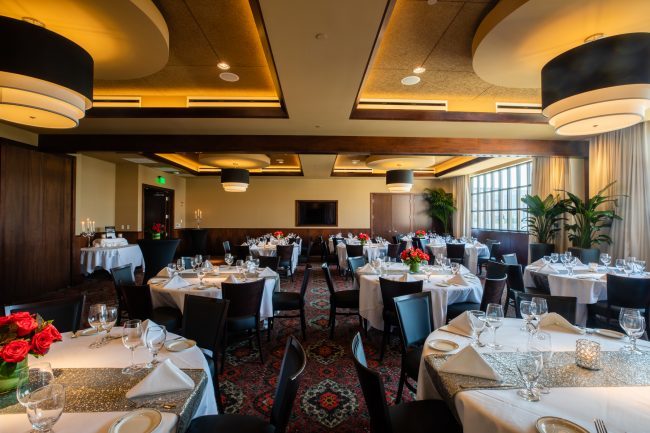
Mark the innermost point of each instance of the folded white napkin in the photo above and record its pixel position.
(554, 320)
(548, 269)
(460, 325)
(367, 269)
(176, 282)
(407, 277)
(146, 323)
(464, 270)
(470, 363)
(459, 280)
(166, 377)
(232, 279)
(537, 263)
(267, 272)
(165, 273)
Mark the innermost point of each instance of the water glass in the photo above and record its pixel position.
(154, 339)
(229, 259)
(620, 265)
(200, 272)
(455, 268)
(494, 320)
(605, 259)
(31, 378)
(541, 307)
(180, 265)
(131, 339)
(640, 266)
(477, 321)
(529, 365)
(527, 310)
(45, 406)
(97, 317)
(109, 321)
(546, 260)
(634, 327)
(541, 342)
(555, 257)
(239, 264)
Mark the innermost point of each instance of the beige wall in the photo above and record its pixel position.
(127, 196)
(94, 192)
(270, 201)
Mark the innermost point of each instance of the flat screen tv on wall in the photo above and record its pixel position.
(316, 213)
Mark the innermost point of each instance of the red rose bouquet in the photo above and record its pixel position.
(157, 230)
(420, 233)
(413, 257)
(278, 234)
(363, 238)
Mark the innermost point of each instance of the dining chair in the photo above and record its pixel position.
(415, 319)
(493, 254)
(139, 306)
(329, 257)
(240, 252)
(355, 263)
(492, 294)
(270, 262)
(495, 270)
(291, 301)
(456, 253)
(157, 254)
(243, 313)
(420, 243)
(305, 252)
(226, 247)
(541, 283)
(402, 246)
(565, 306)
(391, 289)
(204, 321)
(121, 275)
(64, 312)
(293, 366)
(348, 299)
(586, 255)
(510, 259)
(421, 416)
(354, 250)
(622, 292)
(515, 283)
(393, 251)
(285, 254)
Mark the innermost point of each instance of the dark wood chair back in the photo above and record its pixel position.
(415, 317)
(627, 292)
(285, 253)
(541, 282)
(245, 298)
(305, 281)
(510, 259)
(138, 301)
(64, 312)
(492, 292)
(328, 278)
(393, 251)
(240, 252)
(565, 306)
(496, 270)
(157, 254)
(354, 250)
(391, 289)
(456, 251)
(515, 278)
(270, 262)
(291, 370)
(204, 320)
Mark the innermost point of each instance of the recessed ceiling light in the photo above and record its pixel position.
(419, 70)
(223, 66)
(355, 161)
(410, 80)
(229, 76)
(280, 161)
(320, 36)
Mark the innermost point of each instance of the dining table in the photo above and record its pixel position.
(619, 393)
(109, 257)
(91, 407)
(271, 250)
(472, 252)
(371, 251)
(162, 296)
(442, 293)
(587, 284)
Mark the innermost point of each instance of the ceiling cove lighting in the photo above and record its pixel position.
(46, 80)
(601, 86)
(399, 180)
(234, 179)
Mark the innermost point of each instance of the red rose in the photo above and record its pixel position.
(5, 320)
(41, 342)
(25, 323)
(15, 351)
(54, 333)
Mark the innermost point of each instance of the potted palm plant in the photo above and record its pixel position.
(588, 221)
(543, 222)
(441, 206)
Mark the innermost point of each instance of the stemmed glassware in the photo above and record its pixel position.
(96, 318)
(477, 319)
(154, 339)
(546, 260)
(131, 339)
(428, 271)
(620, 265)
(529, 365)
(200, 272)
(640, 266)
(541, 308)
(494, 320)
(605, 259)
(527, 310)
(31, 378)
(45, 406)
(541, 342)
(229, 259)
(633, 323)
(555, 257)
(630, 265)
(109, 322)
(570, 264)
(455, 268)
(180, 266)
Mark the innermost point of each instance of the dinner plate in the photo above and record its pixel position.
(443, 345)
(179, 345)
(138, 421)
(86, 332)
(609, 333)
(551, 424)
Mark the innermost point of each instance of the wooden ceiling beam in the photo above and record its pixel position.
(459, 166)
(311, 144)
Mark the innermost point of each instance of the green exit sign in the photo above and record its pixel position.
(161, 180)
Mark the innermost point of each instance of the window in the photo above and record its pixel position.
(496, 198)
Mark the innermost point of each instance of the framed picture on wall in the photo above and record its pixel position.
(110, 232)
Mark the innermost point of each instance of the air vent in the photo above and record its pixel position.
(205, 101)
(117, 101)
(518, 107)
(402, 104)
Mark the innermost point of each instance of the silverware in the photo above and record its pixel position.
(488, 386)
(172, 339)
(600, 426)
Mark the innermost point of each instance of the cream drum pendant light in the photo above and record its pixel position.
(234, 179)
(399, 180)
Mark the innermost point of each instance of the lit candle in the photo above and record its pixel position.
(83, 226)
(588, 354)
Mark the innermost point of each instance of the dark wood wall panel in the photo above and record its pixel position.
(511, 242)
(36, 222)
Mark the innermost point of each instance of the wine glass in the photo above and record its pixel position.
(229, 259)
(605, 259)
(555, 257)
(200, 272)
(564, 258)
(477, 323)
(239, 264)
(630, 263)
(109, 321)
(541, 307)
(154, 339)
(180, 265)
(45, 406)
(634, 327)
(494, 320)
(32, 377)
(428, 271)
(97, 317)
(171, 269)
(527, 310)
(570, 264)
(546, 260)
(621, 314)
(131, 339)
(455, 268)
(640, 266)
(542, 342)
(620, 265)
(198, 260)
(529, 365)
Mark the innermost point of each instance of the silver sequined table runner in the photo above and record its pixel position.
(104, 390)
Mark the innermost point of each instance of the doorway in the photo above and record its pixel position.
(157, 207)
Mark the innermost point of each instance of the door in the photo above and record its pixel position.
(402, 213)
(391, 214)
(157, 207)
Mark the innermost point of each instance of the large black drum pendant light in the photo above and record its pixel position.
(598, 87)
(46, 80)
(399, 180)
(234, 179)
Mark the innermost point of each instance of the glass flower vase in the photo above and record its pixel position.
(9, 374)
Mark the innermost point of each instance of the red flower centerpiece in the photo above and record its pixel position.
(414, 257)
(157, 230)
(420, 233)
(22, 334)
(363, 238)
(278, 234)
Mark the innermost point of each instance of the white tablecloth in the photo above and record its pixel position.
(110, 257)
(472, 253)
(370, 252)
(624, 409)
(371, 303)
(117, 242)
(74, 353)
(162, 297)
(270, 250)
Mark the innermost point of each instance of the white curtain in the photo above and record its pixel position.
(624, 156)
(462, 218)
